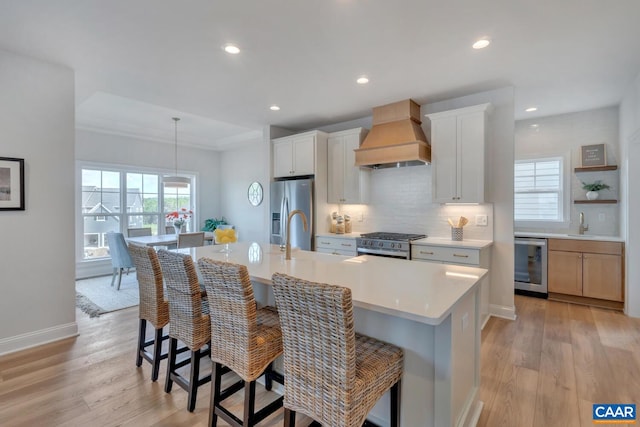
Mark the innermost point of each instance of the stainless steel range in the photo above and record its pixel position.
(393, 245)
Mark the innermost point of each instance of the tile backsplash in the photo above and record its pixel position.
(400, 201)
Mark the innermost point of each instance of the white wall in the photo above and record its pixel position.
(565, 134)
(630, 173)
(499, 188)
(121, 150)
(239, 168)
(36, 255)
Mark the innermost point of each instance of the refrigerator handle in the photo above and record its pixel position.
(285, 220)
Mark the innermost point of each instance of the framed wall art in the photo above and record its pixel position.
(11, 184)
(593, 156)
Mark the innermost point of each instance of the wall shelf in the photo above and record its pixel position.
(586, 202)
(597, 169)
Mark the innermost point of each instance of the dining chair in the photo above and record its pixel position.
(188, 322)
(190, 240)
(169, 229)
(137, 232)
(153, 307)
(243, 338)
(120, 258)
(333, 374)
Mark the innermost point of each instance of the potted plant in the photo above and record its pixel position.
(212, 223)
(592, 189)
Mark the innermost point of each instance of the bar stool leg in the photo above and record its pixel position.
(395, 404)
(268, 378)
(171, 364)
(157, 349)
(289, 418)
(194, 377)
(216, 380)
(141, 338)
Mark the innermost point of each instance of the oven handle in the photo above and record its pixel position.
(532, 242)
(381, 252)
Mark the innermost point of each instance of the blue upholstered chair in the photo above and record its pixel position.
(120, 258)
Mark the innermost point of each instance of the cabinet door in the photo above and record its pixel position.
(444, 159)
(565, 272)
(355, 179)
(304, 155)
(335, 170)
(470, 158)
(602, 276)
(282, 159)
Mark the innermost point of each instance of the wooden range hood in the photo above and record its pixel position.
(396, 138)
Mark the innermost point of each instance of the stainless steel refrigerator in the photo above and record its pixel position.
(287, 196)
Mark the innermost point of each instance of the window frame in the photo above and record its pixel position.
(123, 216)
(563, 197)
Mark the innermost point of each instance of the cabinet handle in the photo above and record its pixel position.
(426, 253)
(325, 243)
(461, 256)
(346, 244)
(334, 253)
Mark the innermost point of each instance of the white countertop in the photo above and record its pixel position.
(568, 236)
(443, 241)
(419, 291)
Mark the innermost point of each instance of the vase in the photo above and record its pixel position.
(592, 195)
(178, 228)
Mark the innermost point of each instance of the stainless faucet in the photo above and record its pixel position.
(582, 228)
(304, 222)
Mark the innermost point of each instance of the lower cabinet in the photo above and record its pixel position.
(586, 269)
(336, 245)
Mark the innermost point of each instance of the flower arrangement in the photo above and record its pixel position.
(596, 186)
(179, 217)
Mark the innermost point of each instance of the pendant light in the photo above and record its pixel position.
(176, 181)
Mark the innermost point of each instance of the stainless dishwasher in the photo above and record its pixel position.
(530, 276)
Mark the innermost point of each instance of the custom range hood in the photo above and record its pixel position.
(395, 139)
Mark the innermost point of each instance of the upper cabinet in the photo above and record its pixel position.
(346, 183)
(294, 155)
(458, 154)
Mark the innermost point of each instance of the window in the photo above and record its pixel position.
(117, 199)
(539, 190)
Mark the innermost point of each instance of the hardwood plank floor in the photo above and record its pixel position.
(545, 369)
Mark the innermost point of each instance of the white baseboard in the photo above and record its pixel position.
(503, 311)
(475, 415)
(36, 338)
(88, 269)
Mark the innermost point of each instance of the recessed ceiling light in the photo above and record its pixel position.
(232, 49)
(362, 80)
(534, 126)
(482, 43)
(274, 108)
(531, 109)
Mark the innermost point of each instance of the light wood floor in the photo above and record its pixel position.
(545, 369)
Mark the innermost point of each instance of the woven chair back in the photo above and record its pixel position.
(137, 232)
(319, 342)
(153, 306)
(232, 308)
(185, 302)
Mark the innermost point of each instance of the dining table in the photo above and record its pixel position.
(165, 239)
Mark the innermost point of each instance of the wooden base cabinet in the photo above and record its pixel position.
(587, 269)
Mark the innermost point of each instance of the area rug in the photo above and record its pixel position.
(96, 296)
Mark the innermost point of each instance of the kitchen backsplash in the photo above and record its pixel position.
(400, 201)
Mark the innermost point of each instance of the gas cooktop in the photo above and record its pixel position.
(398, 237)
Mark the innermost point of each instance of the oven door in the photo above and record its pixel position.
(383, 253)
(530, 265)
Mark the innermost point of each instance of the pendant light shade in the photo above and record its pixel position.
(176, 181)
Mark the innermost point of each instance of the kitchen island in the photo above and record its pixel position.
(430, 310)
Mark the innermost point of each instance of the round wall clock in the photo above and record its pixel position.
(254, 194)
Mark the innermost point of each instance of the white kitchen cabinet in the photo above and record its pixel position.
(336, 245)
(458, 154)
(469, 253)
(347, 183)
(294, 155)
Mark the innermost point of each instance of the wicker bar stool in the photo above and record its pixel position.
(244, 338)
(152, 308)
(333, 375)
(188, 322)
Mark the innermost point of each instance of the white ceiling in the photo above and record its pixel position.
(140, 62)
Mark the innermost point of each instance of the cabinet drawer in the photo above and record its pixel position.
(591, 246)
(446, 254)
(344, 246)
